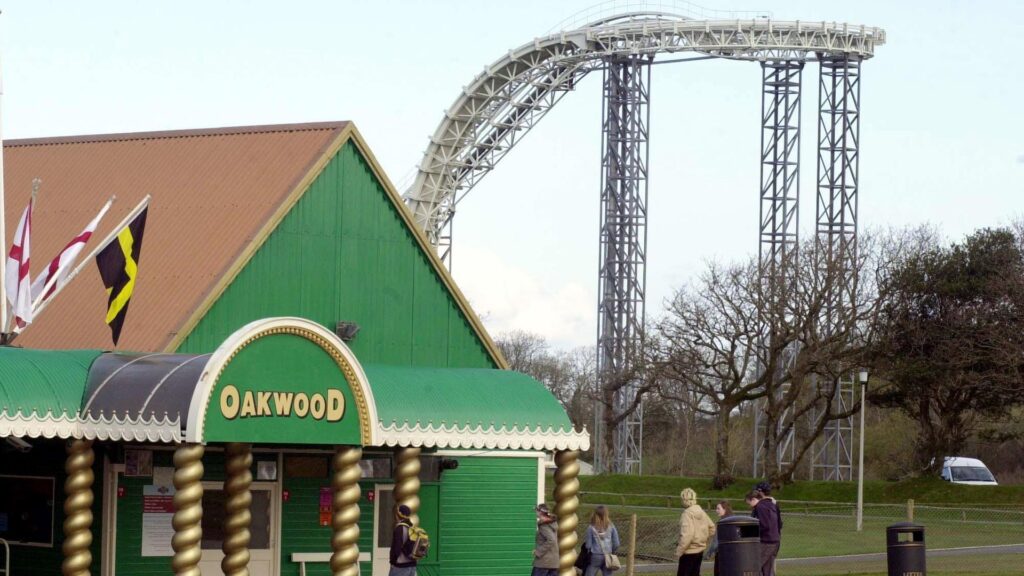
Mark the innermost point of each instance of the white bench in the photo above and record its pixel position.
(302, 558)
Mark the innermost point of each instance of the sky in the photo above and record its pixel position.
(942, 128)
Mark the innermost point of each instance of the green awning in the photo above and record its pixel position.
(41, 390)
(468, 408)
(463, 397)
(166, 398)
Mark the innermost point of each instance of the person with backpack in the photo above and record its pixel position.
(545, 552)
(769, 518)
(695, 530)
(602, 540)
(409, 544)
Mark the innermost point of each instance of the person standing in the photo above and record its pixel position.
(402, 561)
(695, 529)
(724, 510)
(545, 550)
(769, 519)
(602, 538)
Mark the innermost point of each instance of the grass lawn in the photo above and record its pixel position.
(996, 565)
(810, 535)
(922, 490)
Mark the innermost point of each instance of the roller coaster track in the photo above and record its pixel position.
(504, 102)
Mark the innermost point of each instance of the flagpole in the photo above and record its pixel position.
(3, 215)
(117, 229)
(53, 279)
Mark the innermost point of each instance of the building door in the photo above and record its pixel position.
(383, 527)
(262, 546)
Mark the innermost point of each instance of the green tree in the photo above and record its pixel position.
(950, 339)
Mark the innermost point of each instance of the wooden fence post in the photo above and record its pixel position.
(910, 510)
(631, 558)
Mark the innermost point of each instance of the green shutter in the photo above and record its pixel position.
(487, 520)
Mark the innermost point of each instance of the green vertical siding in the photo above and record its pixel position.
(344, 253)
(487, 520)
(301, 532)
(129, 533)
(128, 547)
(47, 459)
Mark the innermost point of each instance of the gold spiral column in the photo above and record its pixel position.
(407, 480)
(78, 509)
(567, 486)
(345, 520)
(237, 506)
(188, 510)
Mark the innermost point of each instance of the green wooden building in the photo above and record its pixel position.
(294, 363)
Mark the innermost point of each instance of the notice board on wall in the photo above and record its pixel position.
(157, 513)
(26, 510)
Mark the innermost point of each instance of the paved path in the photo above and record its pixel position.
(873, 557)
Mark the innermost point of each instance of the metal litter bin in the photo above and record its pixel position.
(739, 546)
(905, 549)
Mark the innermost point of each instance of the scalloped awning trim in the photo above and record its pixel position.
(165, 430)
(482, 438)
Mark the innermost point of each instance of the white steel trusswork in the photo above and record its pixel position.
(500, 106)
(511, 95)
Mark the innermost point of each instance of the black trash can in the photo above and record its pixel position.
(739, 546)
(905, 549)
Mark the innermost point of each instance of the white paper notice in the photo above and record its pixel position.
(157, 512)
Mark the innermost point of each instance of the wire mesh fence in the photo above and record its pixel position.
(822, 537)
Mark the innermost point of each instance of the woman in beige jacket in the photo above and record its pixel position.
(695, 529)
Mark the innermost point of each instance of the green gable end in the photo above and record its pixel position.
(344, 253)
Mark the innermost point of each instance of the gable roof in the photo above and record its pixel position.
(217, 194)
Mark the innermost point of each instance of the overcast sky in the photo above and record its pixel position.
(941, 133)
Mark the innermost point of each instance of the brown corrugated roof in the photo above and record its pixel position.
(214, 192)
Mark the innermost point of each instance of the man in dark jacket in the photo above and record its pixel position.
(770, 520)
(402, 562)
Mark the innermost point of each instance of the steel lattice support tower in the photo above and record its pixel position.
(779, 215)
(622, 275)
(838, 163)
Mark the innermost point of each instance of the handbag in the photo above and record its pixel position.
(611, 561)
(583, 558)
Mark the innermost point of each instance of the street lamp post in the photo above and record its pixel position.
(860, 453)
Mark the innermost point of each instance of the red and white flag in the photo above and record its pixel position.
(61, 266)
(18, 282)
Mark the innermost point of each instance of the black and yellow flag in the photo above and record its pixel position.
(119, 266)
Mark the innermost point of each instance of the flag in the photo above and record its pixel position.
(17, 280)
(118, 262)
(61, 265)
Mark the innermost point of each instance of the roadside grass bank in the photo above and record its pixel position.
(808, 535)
(996, 565)
(632, 489)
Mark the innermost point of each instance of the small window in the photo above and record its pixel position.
(385, 517)
(306, 466)
(377, 468)
(214, 517)
(971, 474)
(26, 510)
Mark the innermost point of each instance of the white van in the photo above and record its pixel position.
(960, 470)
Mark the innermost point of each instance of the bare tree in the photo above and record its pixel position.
(568, 374)
(742, 334)
(707, 353)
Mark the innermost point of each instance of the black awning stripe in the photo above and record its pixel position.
(164, 379)
(110, 376)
